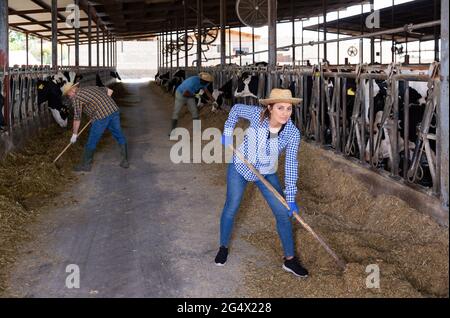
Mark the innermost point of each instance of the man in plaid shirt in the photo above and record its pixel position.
(98, 105)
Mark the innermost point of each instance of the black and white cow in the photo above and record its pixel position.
(178, 77)
(98, 81)
(161, 79)
(115, 75)
(50, 90)
(247, 85)
(417, 99)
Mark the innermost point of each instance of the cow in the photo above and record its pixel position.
(417, 98)
(115, 75)
(247, 85)
(178, 77)
(161, 79)
(98, 81)
(50, 90)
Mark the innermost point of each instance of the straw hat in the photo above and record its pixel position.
(206, 77)
(68, 86)
(278, 95)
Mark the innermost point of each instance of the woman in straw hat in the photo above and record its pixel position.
(271, 131)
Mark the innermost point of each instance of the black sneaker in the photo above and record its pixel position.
(293, 266)
(221, 257)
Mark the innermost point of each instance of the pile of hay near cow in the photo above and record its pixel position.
(410, 249)
(29, 181)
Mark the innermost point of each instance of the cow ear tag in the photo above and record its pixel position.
(41, 86)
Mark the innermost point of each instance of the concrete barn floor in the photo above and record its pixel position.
(149, 231)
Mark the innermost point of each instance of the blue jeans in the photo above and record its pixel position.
(112, 123)
(236, 185)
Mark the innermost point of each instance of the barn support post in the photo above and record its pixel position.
(338, 42)
(104, 47)
(229, 44)
(293, 32)
(223, 17)
(372, 39)
(240, 47)
(393, 38)
(443, 110)
(253, 45)
(27, 46)
(272, 23)
(98, 43)
(161, 56)
(166, 48)
(171, 47)
(111, 53)
(54, 34)
(186, 54)
(161, 50)
(111, 50)
(62, 54)
(325, 56)
(4, 57)
(436, 32)
(42, 51)
(361, 41)
(176, 42)
(89, 35)
(77, 40)
(157, 54)
(107, 49)
(318, 40)
(199, 34)
(302, 45)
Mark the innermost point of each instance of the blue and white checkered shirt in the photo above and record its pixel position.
(262, 151)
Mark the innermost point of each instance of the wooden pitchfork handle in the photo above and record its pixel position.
(340, 262)
(70, 144)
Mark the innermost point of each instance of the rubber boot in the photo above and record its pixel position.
(124, 153)
(174, 125)
(86, 163)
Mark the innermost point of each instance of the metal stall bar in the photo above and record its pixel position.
(186, 57)
(293, 32)
(104, 48)
(77, 40)
(54, 34)
(199, 34)
(223, 17)
(272, 23)
(89, 35)
(98, 43)
(4, 62)
(443, 110)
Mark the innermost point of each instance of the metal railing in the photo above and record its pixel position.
(21, 91)
(345, 121)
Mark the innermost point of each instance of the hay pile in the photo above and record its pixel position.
(410, 249)
(29, 181)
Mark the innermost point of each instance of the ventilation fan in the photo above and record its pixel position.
(253, 13)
